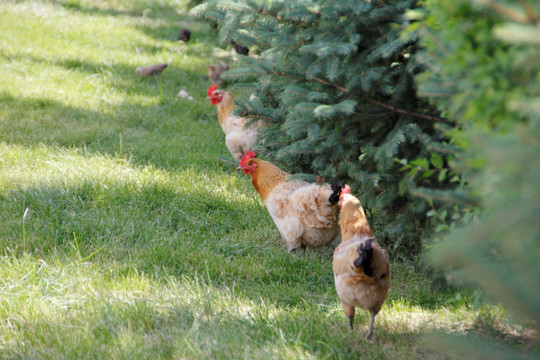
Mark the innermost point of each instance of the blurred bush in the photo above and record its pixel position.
(484, 71)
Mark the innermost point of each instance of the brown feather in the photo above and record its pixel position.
(225, 107)
(353, 220)
(301, 211)
(354, 287)
(267, 177)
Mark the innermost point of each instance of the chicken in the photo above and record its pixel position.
(184, 35)
(305, 214)
(214, 72)
(242, 50)
(361, 267)
(238, 138)
(151, 70)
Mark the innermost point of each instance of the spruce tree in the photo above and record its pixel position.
(334, 82)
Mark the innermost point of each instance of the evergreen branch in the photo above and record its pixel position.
(297, 63)
(301, 23)
(262, 11)
(261, 117)
(406, 112)
(373, 101)
(386, 113)
(321, 81)
(324, 82)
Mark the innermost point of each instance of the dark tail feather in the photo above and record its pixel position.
(334, 198)
(365, 252)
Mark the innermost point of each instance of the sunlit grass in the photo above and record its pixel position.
(123, 236)
(130, 314)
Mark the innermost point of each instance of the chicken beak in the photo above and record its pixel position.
(239, 168)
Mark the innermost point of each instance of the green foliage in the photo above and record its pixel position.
(484, 72)
(472, 71)
(123, 236)
(334, 82)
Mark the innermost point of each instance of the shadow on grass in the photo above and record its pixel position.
(120, 76)
(198, 326)
(159, 228)
(133, 8)
(170, 19)
(160, 131)
(156, 228)
(171, 133)
(195, 232)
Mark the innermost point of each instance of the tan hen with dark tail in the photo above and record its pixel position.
(361, 267)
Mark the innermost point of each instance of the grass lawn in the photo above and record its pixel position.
(123, 236)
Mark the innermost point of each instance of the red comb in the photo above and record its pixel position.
(246, 157)
(211, 89)
(345, 190)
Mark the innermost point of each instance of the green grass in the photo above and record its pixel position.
(122, 234)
